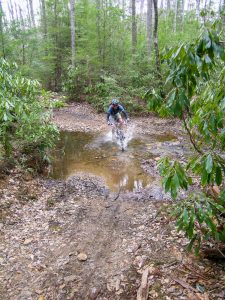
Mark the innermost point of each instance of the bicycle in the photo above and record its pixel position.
(118, 132)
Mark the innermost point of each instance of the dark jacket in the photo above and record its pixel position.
(112, 111)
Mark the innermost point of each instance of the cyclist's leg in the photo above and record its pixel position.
(119, 119)
(113, 122)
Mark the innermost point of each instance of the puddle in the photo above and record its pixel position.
(98, 155)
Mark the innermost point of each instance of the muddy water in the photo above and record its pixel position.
(99, 155)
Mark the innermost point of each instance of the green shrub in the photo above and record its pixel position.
(24, 120)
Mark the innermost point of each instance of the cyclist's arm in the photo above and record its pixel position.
(124, 112)
(109, 112)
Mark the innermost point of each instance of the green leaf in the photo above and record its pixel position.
(190, 245)
(167, 183)
(219, 177)
(209, 164)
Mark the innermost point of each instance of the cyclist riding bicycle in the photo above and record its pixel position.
(114, 111)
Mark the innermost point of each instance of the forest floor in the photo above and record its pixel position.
(70, 240)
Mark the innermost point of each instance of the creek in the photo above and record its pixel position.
(80, 152)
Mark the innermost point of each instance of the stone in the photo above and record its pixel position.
(70, 278)
(82, 256)
(27, 241)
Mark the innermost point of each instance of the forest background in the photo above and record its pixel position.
(97, 50)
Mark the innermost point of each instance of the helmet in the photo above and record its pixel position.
(115, 102)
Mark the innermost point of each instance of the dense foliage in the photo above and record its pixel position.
(105, 64)
(24, 121)
(196, 84)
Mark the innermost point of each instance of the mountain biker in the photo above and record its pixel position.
(114, 112)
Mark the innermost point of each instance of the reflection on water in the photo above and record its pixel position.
(81, 152)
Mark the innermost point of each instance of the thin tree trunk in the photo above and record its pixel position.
(11, 11)
(98, 28)
(134, 27)
(32, 12)
(57, 72)
(198, 9)
(183, 14)
(156, 46)
(175, 16)
(23, 29)
(72, 28)
(205, 7)
(1, 30)
(44, 19)
(149, 28)
(168, 5)
(44, 26)
(17, 14)
(124, 8)
(28, 13)
(142, 7)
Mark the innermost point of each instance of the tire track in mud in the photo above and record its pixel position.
(102, 242)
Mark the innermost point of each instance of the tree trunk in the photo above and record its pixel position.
(44, 26)
(1, 30)
(72, 29)
(175, 16)
(124, 8)
(168, 5)
(11, 11)
(156, 46)
(98, 28)
(28, 13)
(23, 29)
(182, 13)
(134, 28)
(16, 10)
(149, 28)
(142, 7)
(44, 19)
(32, 12)
(205, 7)
(198, 9)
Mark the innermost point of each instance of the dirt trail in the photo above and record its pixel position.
(72, 240)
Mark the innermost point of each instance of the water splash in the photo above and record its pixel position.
(129, 134)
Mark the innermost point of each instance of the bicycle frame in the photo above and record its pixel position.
(118, 132)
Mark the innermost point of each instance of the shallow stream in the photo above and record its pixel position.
(79, 152)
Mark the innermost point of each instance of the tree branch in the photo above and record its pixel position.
(191, 137)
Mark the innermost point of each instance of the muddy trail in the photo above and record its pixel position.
(97, 225)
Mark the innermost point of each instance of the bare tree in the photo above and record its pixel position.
(72, 29)
(149, 27)
(134, 27)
